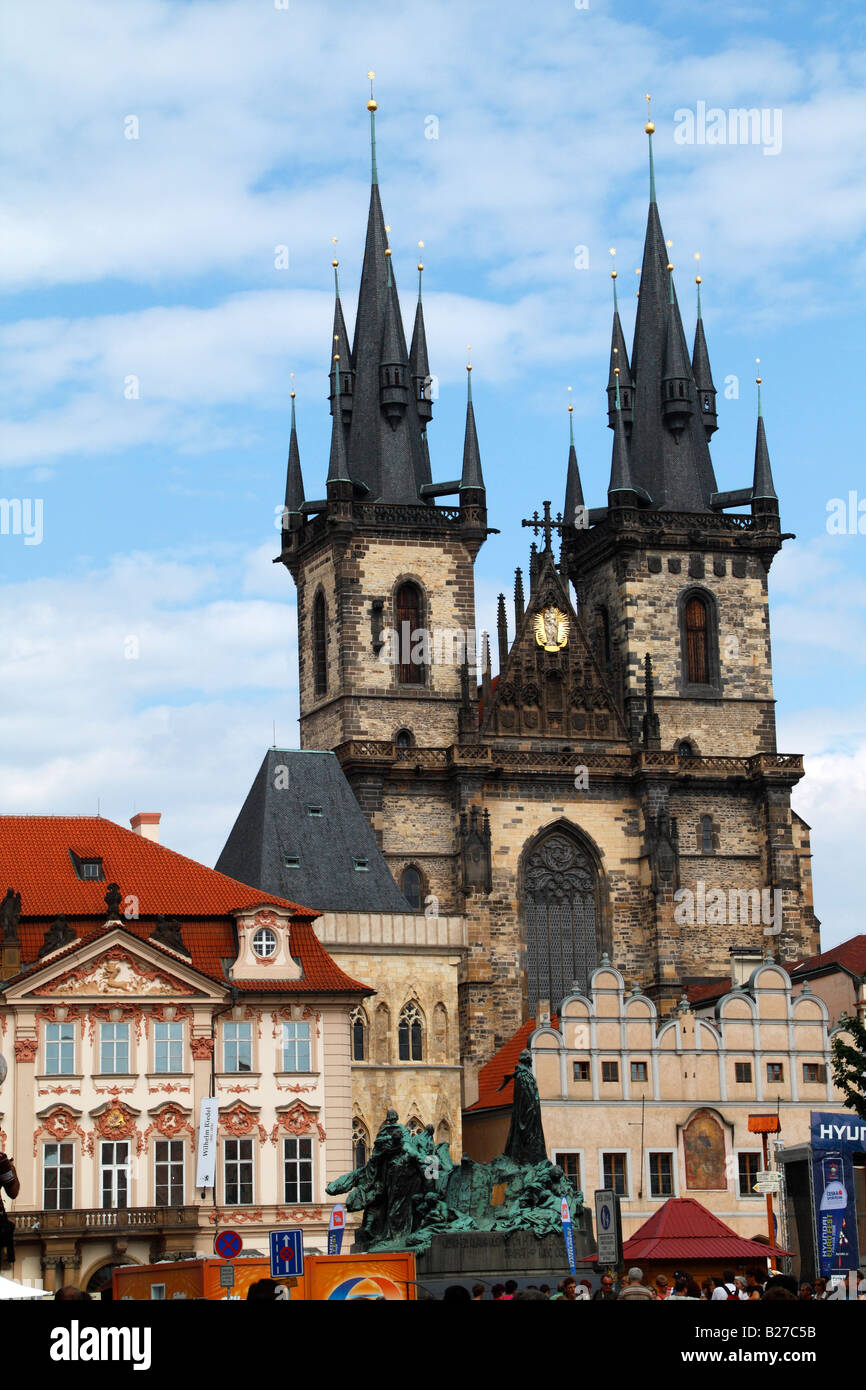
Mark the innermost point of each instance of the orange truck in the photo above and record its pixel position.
(325, 1278)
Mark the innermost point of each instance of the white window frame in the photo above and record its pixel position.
(171, 1163)
(296, 1042)
(299, 1139)
(58, 1145)
(174, 1039)
(60, 1042)
(264, 935)
(225, 1162)
(675, 1177)
(236, 1042)
(625, 1196)
(115, 1168)
(112, 1044)
(748, 1196)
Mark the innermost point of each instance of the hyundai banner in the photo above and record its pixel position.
(835, 1139)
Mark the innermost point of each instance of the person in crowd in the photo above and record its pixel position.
(70, 1294)
(754, 1285)
(635, 1287)
(477, 1293)
(663, 1289)
(819, 1287)
(583, 1293)
(545, 1289)
(781, 1281)
(456, 1293)
(526, 1295)
(681, 1290)
(510, 1289)
(778, 1291)
(498, 1292)
(567, 1289)
(262, 1291)
(707, 1288)
(726, 1287)
(606, 1291)
(807, 1293)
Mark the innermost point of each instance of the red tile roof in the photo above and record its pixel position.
(708, 993)
(851, 955)
(35, 860)
(501, 1064)
(682, 1229)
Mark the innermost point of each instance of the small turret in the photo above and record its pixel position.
(621, 491)
(347, 375)
(573, 489)
(471, 478)
(419, 366)
(294, 479)
(677, 386)
(706, 391)
(764, 499)
(393, 363)
(519, 600)
(502, 632)
(619, 358)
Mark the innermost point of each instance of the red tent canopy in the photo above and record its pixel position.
(683, 1230)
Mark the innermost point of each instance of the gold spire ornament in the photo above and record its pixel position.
(649, 127)
(292, 377)
(372, 104)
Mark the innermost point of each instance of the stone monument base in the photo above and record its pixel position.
(466, 1257)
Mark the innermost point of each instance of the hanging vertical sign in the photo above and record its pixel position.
(568, 1233)
(336, 1227)
(835, 1140)
(205, 1172)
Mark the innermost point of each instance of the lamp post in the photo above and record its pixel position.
(764, 1125)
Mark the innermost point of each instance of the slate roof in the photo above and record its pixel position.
(850, 955)
(682, 1229)
(35, 859)
(275, 824)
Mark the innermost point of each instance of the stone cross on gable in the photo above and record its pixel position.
(547, 524)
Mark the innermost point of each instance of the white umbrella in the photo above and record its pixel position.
(9, 1289)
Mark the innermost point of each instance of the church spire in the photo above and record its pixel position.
(419, 365)
(706, 391)
(338, 469)
(764, 499)
(670, 458)
(472, 476)
(294, 479)
(385, 450)
(618, 358)
(573, 489)
(340, 332)
(621, 490)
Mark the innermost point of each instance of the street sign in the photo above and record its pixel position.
(608, 1228)
(227, 1276)
(227, 1245)
(768, 1180)
(287, 1252)
(336, 1227)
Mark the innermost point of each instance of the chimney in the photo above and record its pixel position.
(146, 823)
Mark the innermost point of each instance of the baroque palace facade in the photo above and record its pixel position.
(625, 755)
(134, 983)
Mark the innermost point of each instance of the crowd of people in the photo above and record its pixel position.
(682, 1287)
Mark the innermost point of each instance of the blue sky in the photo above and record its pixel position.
(153, 259)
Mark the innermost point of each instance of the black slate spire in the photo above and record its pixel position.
(385, 450)
(706, 391)
(294, 480)
(472, 476)
(764, 499)
(346, 374)
(672, 465)
(338, 470)
(573, 489)
(418, 360)
(619, 358)
(621, 490)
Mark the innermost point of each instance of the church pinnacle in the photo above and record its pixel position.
(294, 479)
(471, 476)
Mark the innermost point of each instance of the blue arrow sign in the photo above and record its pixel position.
(287, 1252)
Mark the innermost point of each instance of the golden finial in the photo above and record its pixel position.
(649, 127)
(335, 262)
(469, 364)
(372, 104)
(616, 371)
(698, 276)
(292, 375)
(669, 244)
(387, 233)
(570, 403)
(420, 262)
(758, 379)
(670, 265)
(613, 264)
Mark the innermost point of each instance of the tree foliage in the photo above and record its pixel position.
(849, 1063)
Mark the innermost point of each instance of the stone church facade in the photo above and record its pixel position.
(617, 787)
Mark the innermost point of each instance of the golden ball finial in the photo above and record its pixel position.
(759, 379)
(387, 250)
(336, 357)
(613, 273)
(649, 127)
(616, 371)
(292, 378)
(420, 265)
(372, 105)
(670, 265)
(699, 279)
(335, 262)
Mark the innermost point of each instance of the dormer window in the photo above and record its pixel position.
(315, 811)
(292, 861)
(361, 866)
(265, 943)
(87, 869)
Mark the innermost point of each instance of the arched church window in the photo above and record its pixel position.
(697, 641)
(409, 622)
(410, 886)
(403, 740)
(410, 1034)
(560, 918)
(414, 1125)
(706, 835)
(358, 1021)
(320, 645)
(360, 1143)
(685, 749)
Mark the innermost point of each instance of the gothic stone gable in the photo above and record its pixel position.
(552, 686)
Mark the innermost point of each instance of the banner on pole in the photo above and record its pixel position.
(207, 1142)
